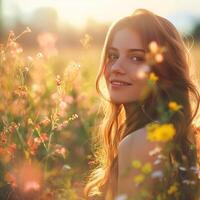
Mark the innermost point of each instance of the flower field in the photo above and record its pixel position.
(48, 109)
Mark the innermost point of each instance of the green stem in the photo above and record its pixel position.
(42, 141)
(21, 141)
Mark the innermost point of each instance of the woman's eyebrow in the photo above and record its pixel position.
(129, 50)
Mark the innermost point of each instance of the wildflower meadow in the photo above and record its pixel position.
(49, 108)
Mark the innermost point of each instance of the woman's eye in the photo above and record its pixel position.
(112, 56)
(137, 58)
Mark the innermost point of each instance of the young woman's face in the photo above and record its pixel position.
(125, 70)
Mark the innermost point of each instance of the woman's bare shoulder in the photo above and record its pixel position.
(136, 137)
(135, 146)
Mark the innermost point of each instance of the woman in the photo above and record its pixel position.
(129, 107)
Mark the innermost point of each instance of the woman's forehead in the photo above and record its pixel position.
(126, 39)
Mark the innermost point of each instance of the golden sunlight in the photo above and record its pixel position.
(78, 11)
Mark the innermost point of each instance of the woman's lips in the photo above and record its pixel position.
(116, 84)
(119, 82)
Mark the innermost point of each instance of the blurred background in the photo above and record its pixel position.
(47, 85)
(68, 20)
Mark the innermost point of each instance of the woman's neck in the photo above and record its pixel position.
(135, 118)
(132, 108)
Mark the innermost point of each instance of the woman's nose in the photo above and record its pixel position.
(117, 67)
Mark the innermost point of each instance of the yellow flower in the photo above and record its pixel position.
(174, 106)
(147, 168)
(136, 164)
(152, 126)
(161, 133)
(139, 178)
(153, 77)
(173, 189)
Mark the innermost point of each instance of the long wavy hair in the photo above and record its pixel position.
(174, 84)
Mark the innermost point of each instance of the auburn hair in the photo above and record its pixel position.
(174, 84)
